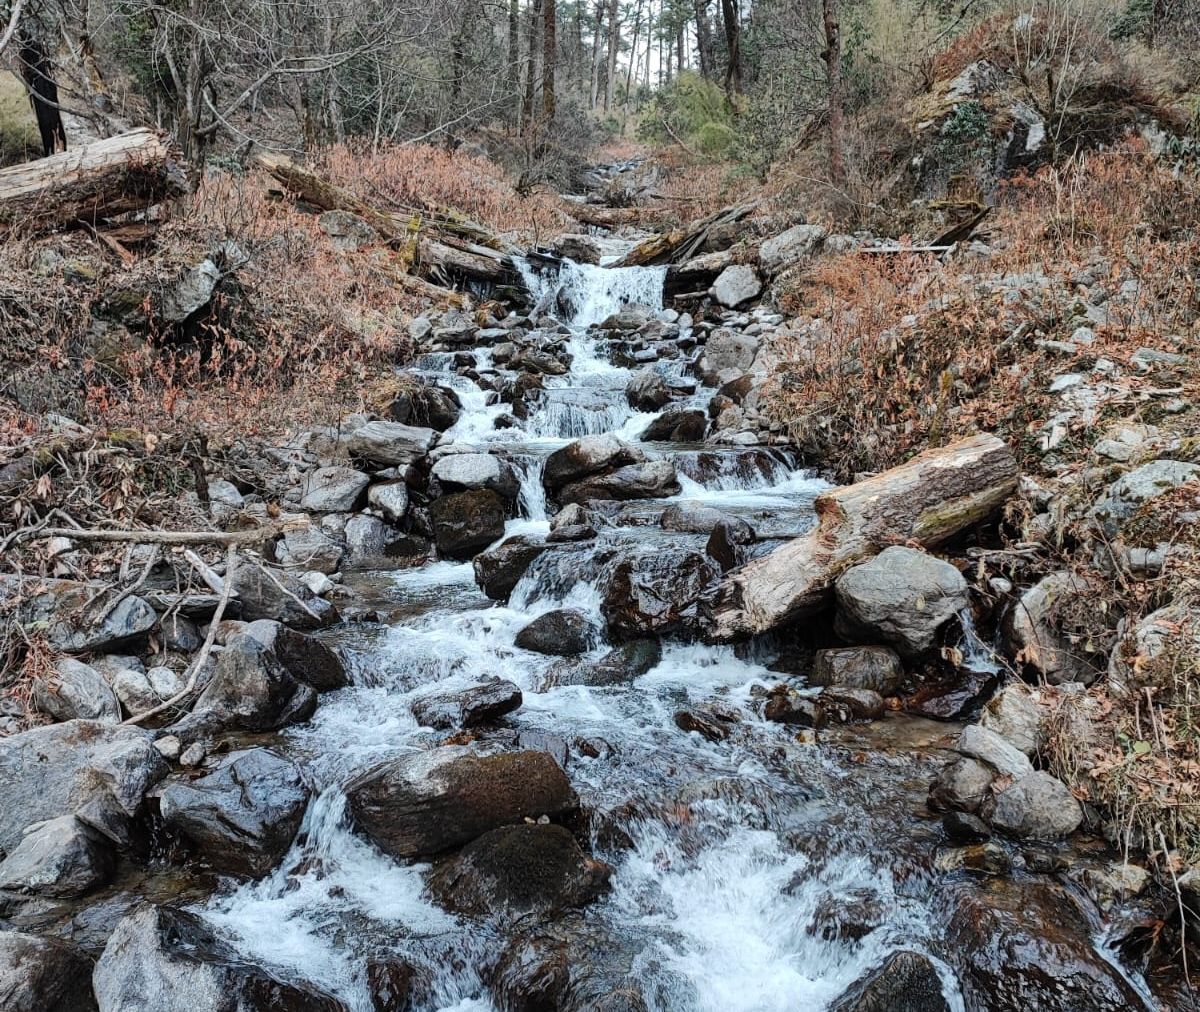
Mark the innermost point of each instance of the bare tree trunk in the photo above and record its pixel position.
(37, 70)
(836, 108)
(535, 18)
(514, 57)
(629, 71)
(549, 57)
(680, 48)
(704, 41)
(733, 37)
(614, 44)
(596, 52)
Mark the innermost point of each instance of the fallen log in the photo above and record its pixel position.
(677, 246)
(933, 497)
(111, 177)
(614, 217)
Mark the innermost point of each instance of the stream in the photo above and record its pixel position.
(761, 872)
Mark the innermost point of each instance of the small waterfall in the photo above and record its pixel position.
(582, 295)
(976, 655)
(532, 498)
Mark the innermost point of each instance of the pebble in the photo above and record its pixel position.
(193, 755)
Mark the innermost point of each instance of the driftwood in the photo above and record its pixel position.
(115, 176)
(679, 245)
(933, 497)
(614, 217)
(254, 536)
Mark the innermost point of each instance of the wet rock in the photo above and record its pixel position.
(1138, 486)
(251, 690)
(647, 390)
(797, 242)
(422, 804)
(735, 285)
(962, 827)
(390, 444)
(60, 858)
(875, 668)
(98, 770)
(427, 406)
(243, 816)
(282, 597)
(333, 489)
(306, 658)
(902, 597)
(518, 871)
(390, 498)
(962, 785)
(844, 704)
(690, 519)
(1022, 946)
(713, 723)
(466, 522)
(43, 975)
(953, 699)
(1014, 714)
(157, 956)
(55, 607)
(728, 543)
(986, 858)
(620, 666)
(680, 426)
(654, 479)
(470, 707)
(655, 594)
(1037, 806)
(977, 742)
(395, 984)
(906, 982)
(787, 706)
(308, 550)
(588, 456)
(570, 533)
(1034, 635)
(74, 690)
(565, 632)
(499, 569)
(460, 472)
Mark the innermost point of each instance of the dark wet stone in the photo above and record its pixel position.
(962, 827)
(656, 593)
(690, 519)
(43, 975)
(527, 870)
(962, 786)
(307, 659)
(280, 596)
(433, 407)
(681, 426)
(564, 632)
(786, 706)
(715, 724)
(875, 668)
(844, 705)
(619, 666)
(728, 543)
(251, 690)
(425, 803)
(243, 816)
(395, 984)
(469, 707)
(466, 522)
(588, 456)
(499, 569)
(907, 982)
(654, 479)
(954, 699)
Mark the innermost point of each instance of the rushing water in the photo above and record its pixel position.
(731, 860)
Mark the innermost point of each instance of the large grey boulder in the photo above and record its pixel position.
(656, 593)
(391, 444)
(978, 742)
(1139, 486)
(1015, 715)
(99, 771)
(1036, 806)
(55, 607)
(307, 659)
(647, 390)
(428, 802)
(60, 858)
(654, 479)
(500, 568)
(962, 785)
(727, 355)
(43, 975)
(74, 690)
(243, 816)
(333, 489)
(282, 597)
(588, 456)
(875, 668)
(735, 285)
(469, 707)
(466, 522)
(390, 498)
(162, 958)
(1034, 633)
(459, 472)
(251, 690)
(310, 550)
(902, 597)
(799, 241)
(1143, 649)
(906, 982)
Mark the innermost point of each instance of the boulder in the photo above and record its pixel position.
(843, 705)
(1131, 490)
(368, 543)
(906, 982)
(162, 958)
(977, 742)
(962, 785)
(180, 634)
(875, 668)
(390, 444)
(787, 706)
(282, 597)
(735, 285)
(140, 691)
(654, 479)
(430, 406)
(728, 543)
(688, 518)
(727, 355)
(519, 871)
(786, 248)
(390, 498)
(99, 771)
(55, 608)
(564, 632)
(59, 858)
(655, 593)
(902, 597)
(466, 522)
(306, 658)
(1154, 641)
(1034, 635)
(333, 489)
(683, 425)
(309, 550)
(470, 707)
(647, 390)
(422, 804)
(243, 816)
(74, 690)
(1014, 714)
(43, 975)
(588, 456)
(620, 666)
(1037, 806)
(500, 568)
(251, 690)
(460, 472)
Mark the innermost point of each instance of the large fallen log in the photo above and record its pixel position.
(614, 217)
(129, 172)
(933, 497)
(677, 246)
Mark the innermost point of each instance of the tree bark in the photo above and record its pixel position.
(37, 70)
(514, 58)
(933, 497)
(129, 172)
(549, 57)
(733, 36)
(704, 41)
(836, 105)
(535, 19)
(596, 52)
(614, 44)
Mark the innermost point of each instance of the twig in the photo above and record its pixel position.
(251, 537)
(207, 573)
(133, 588)
(205, 650)
(284, 589)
